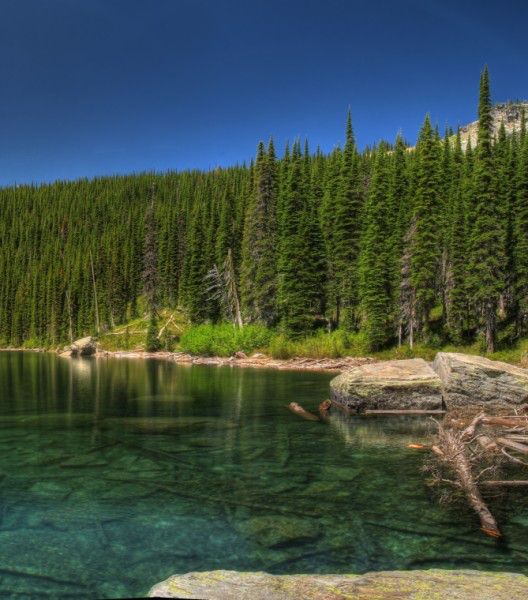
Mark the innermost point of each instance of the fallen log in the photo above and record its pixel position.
(522, 448)
(456, 458)
(511, 421)
(299, 410)
(470, 430)
(409, 411)
(487, 443)
(324, 409)
(499, 483)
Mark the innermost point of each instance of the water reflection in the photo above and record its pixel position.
(116, 473)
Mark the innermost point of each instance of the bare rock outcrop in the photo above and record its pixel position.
(477, 381)
(388, 385)
(389, 585)
(85, 346)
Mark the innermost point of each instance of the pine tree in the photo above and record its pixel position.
(259, 278)
(485, 261)
(520, 254)
(294, 278)
(425, 242)
(346, 234)
(376, 273)
(457, 300)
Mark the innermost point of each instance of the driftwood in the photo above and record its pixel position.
(409, 411)
(482, 446)
(324, 410)
(299, 410)
(454, 451)
(522, 448)
(506, 483)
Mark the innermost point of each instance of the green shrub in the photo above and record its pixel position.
(280, 347)
(223, 339)
(319, 345)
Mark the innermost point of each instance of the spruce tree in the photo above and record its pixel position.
(425, 245)
(376, 273)
(346, 234)
(259, 277)
(520, 255)
(294, 280)
(486, 244)
(457, 299)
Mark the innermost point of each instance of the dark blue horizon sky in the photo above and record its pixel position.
(97, 87)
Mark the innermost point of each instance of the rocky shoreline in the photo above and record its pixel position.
(385, 585)
(241, 360)
(257, 360)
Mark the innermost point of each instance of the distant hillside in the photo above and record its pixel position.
(508, 112)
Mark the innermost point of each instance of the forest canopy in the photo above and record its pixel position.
(405, 244)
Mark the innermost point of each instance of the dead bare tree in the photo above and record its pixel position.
(223, 287)
(476, 454)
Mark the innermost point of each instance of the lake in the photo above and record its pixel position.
(116, 473)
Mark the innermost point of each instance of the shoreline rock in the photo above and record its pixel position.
(385, 585)
(388, 385)
(475, 381)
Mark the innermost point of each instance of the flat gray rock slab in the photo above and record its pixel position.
(477, 381)
(389, 385)
(434, 584)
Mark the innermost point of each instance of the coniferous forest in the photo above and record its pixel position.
(404, 244)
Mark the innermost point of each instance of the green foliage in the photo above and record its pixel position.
(152, 343)
(337, 344)
(417, 245)
(224, 339)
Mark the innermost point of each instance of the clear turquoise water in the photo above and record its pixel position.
(116, 473)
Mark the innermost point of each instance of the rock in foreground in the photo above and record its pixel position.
(390, 585)
(477, 381)
(389, 385)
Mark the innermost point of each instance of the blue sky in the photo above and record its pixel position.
(95, 87)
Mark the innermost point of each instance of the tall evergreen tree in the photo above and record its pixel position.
(425, 245)
(376, 276)
(520, 253)
(486, 261)
(259, 277)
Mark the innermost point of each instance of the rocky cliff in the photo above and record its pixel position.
(508, 113)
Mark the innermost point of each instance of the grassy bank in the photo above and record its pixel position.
(225, 340)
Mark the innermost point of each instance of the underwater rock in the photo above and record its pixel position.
(478, 381)
(278, 531)
(389, 585)
(389, 385)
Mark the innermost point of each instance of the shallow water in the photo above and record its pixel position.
(116, 473)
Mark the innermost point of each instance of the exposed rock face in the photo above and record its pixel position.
(390, 585)
(84, 347)
(508, 113)
(389, 385)
(475, 380)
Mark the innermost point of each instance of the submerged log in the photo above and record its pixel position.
(410, 411)
(456, 458)
(299, 410)
(324, 409)
(511, 421)
(505, 483)
(522, 448)
(487, 443)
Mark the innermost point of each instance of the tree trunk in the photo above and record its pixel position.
(455, 456)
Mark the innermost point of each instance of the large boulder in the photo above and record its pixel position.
(85, 346)
(478, 381)
(388, 385)
(390, 585)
